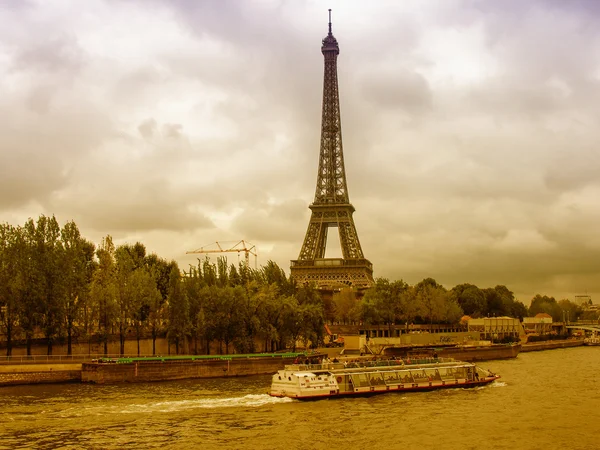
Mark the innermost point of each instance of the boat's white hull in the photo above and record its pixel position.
(372, 390)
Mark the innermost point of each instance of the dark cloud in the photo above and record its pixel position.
(131, 205)
(147, 128)
(572, 171)
(52, 54)
(398, 90)
(140, 215)
(274, 223)
(37, 156)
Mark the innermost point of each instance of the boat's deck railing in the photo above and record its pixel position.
(380, 363)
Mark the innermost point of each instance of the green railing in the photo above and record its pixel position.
(128, 360)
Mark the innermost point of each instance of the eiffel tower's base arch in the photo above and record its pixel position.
(333, 273)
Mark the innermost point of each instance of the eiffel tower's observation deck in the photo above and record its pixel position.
(331, 207)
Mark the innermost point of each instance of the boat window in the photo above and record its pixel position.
(420, 375)
(432, 374)
(392, 377)
(360, 380)
(408, 377)
(376, 378)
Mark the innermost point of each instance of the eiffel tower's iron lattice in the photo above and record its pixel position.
(331, 207)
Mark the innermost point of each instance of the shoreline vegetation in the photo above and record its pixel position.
(60, 289)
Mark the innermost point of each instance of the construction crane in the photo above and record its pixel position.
(241, 246)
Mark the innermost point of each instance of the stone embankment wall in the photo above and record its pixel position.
(136, 372)
(11, 375)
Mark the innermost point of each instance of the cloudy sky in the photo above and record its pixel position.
(470, 128)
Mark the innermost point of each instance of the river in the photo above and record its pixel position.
(544, 400)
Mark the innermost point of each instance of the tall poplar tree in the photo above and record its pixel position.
(179, 320)
(104, 290)
(78, 269)
(12, 245)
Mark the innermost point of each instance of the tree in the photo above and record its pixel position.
(12, 282)
(209, 272)
(104, 290)
(571, 311)
(232, 328)
(273, 274)
(495, 304)
(129, 259)
(51, 257)
(272, 313)
(471, 299)
(312, 318)
(234, 277)
(178, 310)
(345, 306)
(519, 310)
(193, 285)
(78, 269)
(250, 314)
(268, 308)
(386, 303)
(160, 270)
(145, 296)
(436, 304)
(39, 306)
(224, 312)
(545, 304)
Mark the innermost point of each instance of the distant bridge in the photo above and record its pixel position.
(587, 327)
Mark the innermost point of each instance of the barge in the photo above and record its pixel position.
(464, 352)
(329, 380)
(164, 368)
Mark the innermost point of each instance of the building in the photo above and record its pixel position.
(541, 324)
(497, 328)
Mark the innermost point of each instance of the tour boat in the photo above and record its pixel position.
(336, 379)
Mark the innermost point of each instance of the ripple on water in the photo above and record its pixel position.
(250, 400)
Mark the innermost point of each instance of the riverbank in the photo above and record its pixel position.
(16, 374)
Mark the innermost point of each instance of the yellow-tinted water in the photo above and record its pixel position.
(545, 400)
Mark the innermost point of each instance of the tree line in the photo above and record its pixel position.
(57, 284)
(395, 302)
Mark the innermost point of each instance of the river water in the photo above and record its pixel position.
(544, 400)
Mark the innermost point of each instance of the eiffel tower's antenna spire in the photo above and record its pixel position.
(330, 43)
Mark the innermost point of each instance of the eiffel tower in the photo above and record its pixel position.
(331, 207)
